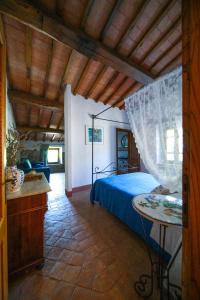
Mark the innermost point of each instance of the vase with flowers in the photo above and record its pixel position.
(14, 176)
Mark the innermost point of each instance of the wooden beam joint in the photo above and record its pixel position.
(16, 96)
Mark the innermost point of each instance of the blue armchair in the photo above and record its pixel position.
(39, 167)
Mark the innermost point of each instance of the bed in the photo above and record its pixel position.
(115, 193)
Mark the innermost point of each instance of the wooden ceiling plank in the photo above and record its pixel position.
(135, 87)
(60, 122)
(29, 115)
(29, 99)
(76, 39)
(62, 85)
(154, 24)
(133, 23)
(87, 12)
(61, 138)
(50, 120)
(82, 77)
(39, 129)
(28, 57)
(68, 66)
(53, 137)
(99, 77)
(160, 57)
(170, 63)
(109, 98)
(158, 43)
(111, 17)
(122, 106)
(50, 57)
(107, 86)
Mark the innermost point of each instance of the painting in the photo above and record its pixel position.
(98, 135)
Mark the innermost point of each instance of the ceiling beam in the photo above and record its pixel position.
(32, 100)
(77, 39)
(39, 130)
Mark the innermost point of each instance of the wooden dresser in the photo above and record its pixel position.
(25, 211)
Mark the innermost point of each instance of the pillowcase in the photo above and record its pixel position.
(161, 190)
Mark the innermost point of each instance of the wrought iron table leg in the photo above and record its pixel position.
(177, 289)
(145, 280)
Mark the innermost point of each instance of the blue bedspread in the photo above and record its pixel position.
(115, 193)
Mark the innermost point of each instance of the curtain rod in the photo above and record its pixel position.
(110, 120)
(101, 112)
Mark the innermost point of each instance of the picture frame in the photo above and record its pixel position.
(98, 135)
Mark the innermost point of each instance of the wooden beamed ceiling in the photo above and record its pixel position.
(105, 49)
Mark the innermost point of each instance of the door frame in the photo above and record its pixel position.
(3, 211)
(191, 153)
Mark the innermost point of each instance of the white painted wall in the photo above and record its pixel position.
(68, 137)
(10, 120)
(80, 152)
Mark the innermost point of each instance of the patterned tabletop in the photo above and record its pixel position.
(162, 209)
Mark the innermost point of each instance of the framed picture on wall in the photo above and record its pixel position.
(98, 135)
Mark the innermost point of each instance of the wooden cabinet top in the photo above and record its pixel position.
(29, 188)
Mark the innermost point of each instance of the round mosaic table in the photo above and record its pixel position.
(165, 211)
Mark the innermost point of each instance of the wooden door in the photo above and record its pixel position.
(191, 165)
(129, 151)
(3, 224)
(134, 157)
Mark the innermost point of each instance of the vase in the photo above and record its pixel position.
(14, 178)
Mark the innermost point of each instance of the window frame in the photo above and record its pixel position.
(176, 146)
(56, 162)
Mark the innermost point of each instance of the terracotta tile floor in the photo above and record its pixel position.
(90, 254)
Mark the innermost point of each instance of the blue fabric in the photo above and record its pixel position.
(115, 193)
(34, 167)
(26, 164)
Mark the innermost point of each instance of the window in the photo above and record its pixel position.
(54, 155)
(174, 144)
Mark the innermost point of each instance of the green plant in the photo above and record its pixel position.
(12, 146)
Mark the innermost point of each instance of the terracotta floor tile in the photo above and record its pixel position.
(37, 287)
(84, 294)
(90, 254)
(77, 259)
(105, 281)
(71, 274)
(52, 240)
(54, 253)
(58, 270)
(67, 234)
(86, 243)
(66, 255)
(67, 244)
(72, 258)
(63, 291)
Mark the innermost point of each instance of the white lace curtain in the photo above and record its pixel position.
(155, 116)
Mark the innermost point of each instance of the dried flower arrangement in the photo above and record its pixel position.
(13, 146)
